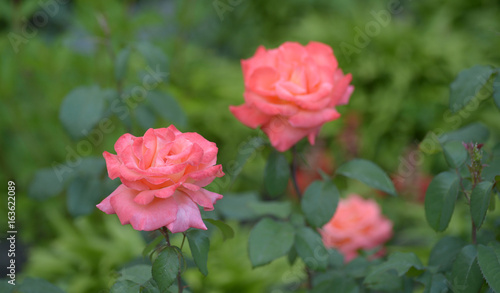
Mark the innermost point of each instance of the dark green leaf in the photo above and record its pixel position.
(311, 249)
(272, 208)
(45, 184)
(145, 117)
(154, 55)
(165, 267)
(479, 201)
(336, 280)
(467, 84)
(368, 173)
(402, 263)
(269, 240)
(121, 62)
(83, 195)
(6, 287)
(150, 287)
(491, 170)
(167, 108)
(81, 110)
(245, 152)
(496, 90)
(440, 200)
(437, 283)
(227, 231)
(455, 154)
(465, 274)
(36, 285)
(489, 262)
(444, 253)
(276, 174)
(138, 274)
(357, 268)
(199, 243)
(237, 206)
(319, 202)
(475, 132)
(125, 286)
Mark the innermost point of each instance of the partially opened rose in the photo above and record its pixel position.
(163, 175)
(291, 91)
(357, 224)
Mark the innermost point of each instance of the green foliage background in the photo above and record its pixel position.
(401, 76)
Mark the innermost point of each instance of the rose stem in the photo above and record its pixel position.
(293, 167)
(164, 231)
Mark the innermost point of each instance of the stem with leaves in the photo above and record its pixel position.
(165, 233)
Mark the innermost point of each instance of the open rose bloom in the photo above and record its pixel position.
(291, 91)
(357, 224)
(162, 175)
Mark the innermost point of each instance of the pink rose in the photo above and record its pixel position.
(163, 175)
(357, 224)
(292, 91)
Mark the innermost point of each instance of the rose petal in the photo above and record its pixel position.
(188, 214)
(282, 135)
(157, 214)
(113, 164)
(262, 80)
(249, 115)
(270, 107)
(204, 198)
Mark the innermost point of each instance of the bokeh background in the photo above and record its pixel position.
(402, 54)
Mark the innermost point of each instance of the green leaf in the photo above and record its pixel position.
(145, 117)
(382, 276)
(121, 63)
(81, 110)
(491, 170)
(45, 184)
(166, 267)
(83, 195)
(465, 274)
(319, 202)
(227, 231)
(269, 240)
(467, 84)
(311, 249)
(455, 154)
(151, 246)
(368, 173)
(36, 285)
(479, 202)
(444, 253)
(6, 287)
(125, 286)
(440, 200)
(489, 262)
(336, 280)
(245, 152)
(167, 108)
(138, 274)
(276, 173)
(475, 132)
(154, 55)
(496, 90)
(199, 243)
(271, 208)
(150, 287)
(437, 283)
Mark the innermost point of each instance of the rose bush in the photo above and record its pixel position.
(162, 175)
(357, 224)
(291, 91)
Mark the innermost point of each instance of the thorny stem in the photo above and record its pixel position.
(164, 232)
(293, 168)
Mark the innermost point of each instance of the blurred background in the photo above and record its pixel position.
(402, 55)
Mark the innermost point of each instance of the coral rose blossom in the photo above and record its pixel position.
(357, 224)
(163, 175)
(291, 91)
